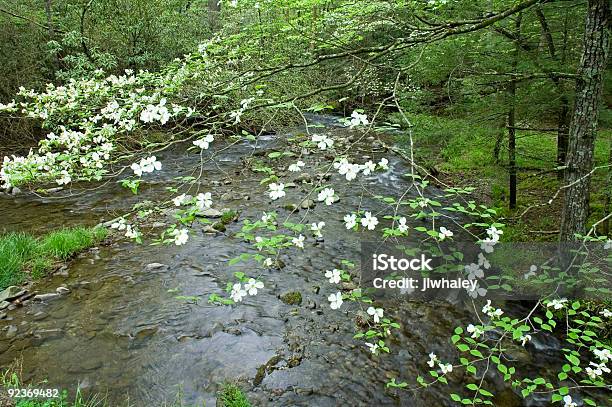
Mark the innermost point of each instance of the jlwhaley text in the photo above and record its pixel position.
(384, 262)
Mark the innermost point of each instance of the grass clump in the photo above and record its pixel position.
(21, 253)
(232, 396)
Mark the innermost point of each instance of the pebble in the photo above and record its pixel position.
(154, 266)
(11, 331)
(62, 290)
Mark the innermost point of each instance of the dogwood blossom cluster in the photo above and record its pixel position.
(444, 367)
(146, 165)
(351, 170)
(250, 288)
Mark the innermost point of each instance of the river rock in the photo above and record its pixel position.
(45, 297)
(211, 213)
(154, 266)
(303, 177)
(11, 292)
(4, 304)
(291, 207)
(62, 290)
(232, 196)
(308, 204)
(290, 185)
(15, 191)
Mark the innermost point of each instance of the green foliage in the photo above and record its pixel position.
(20, 252)
(232, 396)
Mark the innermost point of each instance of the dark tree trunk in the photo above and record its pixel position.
(214, 8)
(512, 121)
(608, 200)
(583, 128)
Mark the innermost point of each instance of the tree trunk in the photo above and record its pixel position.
(512, 121)
(583, 128)
(608, 200)
(214, 9)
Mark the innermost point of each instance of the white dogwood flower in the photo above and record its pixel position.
(474, 271)
(252, 286)
(369, 221)
(327, 195)
(180, 236)
(180, 200)
(444, 233)
(322, 141)
(402, 226)
(432, 359)
(557, 303)
(237, 292)
(297, 166)
(335, 300)
(383, 163)
(606, 313)
(358, 119)
(377, 313)
(369, 167)
(204, 143)
(569, 402)
(373, 347)
(446, 368)
(350, 220)
(276, 191)
(317, 228)
(476, 331)
(525, 339)
(204, 200)
(334, 276)
(298, 241)
(494, 233)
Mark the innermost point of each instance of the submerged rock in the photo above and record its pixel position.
(211, 213)
(45, 297)
(154, 266)
(11, 292)
(308, 204)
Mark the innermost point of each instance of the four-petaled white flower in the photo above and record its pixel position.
(237, 292)
(603, 354)
(373, 347)
(482, 261)
(180, 200)
(204, 200)
(444, 233)
(334, 276)
(492, 312)
(369, 167)
(180, 236)
(446, 368)
(65, 179)
(369, 221)
(276, 191)
(327, 195)
(402, 226)
(316, 229)
(474, 271)
(358, 119)
(204, 143)
(322, 141)
(476, 331)
(298, 241)
(597, 370)
(606, 313)
(350, 220)
(608, 244)
(252, 286)
(432, 359)
(335, 300)
(268, 262)
(296, 167)
(525, 339)
(557, 303)
(569, 402)
(494, 233)
(383, 163)
(377, 313)
(267, 217)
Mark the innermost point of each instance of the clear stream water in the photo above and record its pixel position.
(120, 332)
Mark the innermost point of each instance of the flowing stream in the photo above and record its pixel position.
(120, 332)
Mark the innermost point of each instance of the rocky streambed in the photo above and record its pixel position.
(112, 322)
